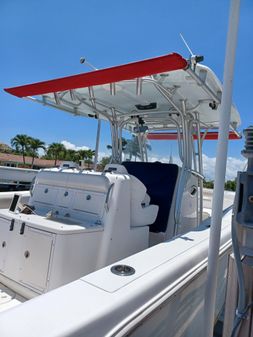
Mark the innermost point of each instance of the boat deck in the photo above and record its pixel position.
(208, 196)
(8, 298)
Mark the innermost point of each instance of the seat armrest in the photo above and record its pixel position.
(144, 216)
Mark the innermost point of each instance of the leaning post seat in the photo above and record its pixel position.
(160, 180)
(142, 212)
(74, 192)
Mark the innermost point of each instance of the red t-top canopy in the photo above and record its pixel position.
(128, 71)
(174, 136)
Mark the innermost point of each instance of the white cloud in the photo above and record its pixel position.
(70, 146)
(103, 154)
(233, 165)
(164, 159)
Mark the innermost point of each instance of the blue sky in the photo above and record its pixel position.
(41, 40)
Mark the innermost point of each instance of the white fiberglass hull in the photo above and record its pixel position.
(6, 197)
(16, 174)
(164, 297)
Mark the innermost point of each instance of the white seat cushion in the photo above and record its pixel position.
(116, 168)
(141, 215)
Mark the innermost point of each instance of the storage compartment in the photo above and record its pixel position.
(11, 246)
(25, 253)
(35, 258)
(4, 240)
(38, 254)
(90, 202)
(45, 194)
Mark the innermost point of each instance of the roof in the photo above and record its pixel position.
(4, 147)
(103, 76)
(161, 90)
(207, 136)
(6, 157)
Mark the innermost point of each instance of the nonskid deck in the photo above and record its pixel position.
(9, 298)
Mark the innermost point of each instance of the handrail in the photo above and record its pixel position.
(195, 173)
(108, 196)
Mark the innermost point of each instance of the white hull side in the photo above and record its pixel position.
(166, 292)
(9, 174)
(6, 198)
(182, 314)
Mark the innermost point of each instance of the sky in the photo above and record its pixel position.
(42, 40)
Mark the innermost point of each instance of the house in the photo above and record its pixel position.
(14, 160)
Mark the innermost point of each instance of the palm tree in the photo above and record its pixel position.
(82, 154)
(71, 155)
(56, 150)
(132, 148)
(34, 145)
(85, 154)
(104, 161)
(21, 144)
(89, 154)
(123, 142)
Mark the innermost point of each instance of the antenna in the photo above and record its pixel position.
(84, 61)
(186, 44)
(194, 59)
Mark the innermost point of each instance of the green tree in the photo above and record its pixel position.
(123, 141)
(104, 161)
(34, 145)
(56, 151)
(208, 184)
(71, 155)
(21, 144)
(89, 154)
(82, 154)
(230, 185)
(132, 148)
(4, 148)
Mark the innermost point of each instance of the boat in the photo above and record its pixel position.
(151, 215)
(121, 252)
(15, 178)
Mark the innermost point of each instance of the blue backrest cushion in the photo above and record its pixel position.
(160, 181)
